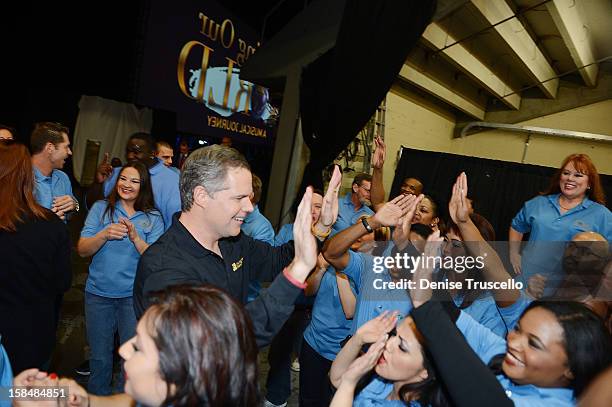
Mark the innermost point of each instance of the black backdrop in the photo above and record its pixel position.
(498, 188)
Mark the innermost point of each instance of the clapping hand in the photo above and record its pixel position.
(115, 231)
(131, 229)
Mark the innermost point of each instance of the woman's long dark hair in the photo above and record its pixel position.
(206, 347)
(430, 391)
(144, 201)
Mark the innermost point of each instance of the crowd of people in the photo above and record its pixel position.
(194, 280)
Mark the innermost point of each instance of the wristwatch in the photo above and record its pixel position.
(76, 204)
(366, 225)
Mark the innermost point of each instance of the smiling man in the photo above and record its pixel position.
(50, 150)
(204, 244)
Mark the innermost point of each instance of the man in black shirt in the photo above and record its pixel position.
(204, 243)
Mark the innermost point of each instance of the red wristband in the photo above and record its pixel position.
(292, 280)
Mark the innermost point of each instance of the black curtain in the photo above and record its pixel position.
(499, 188)
(342, 89)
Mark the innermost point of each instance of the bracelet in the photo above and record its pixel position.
(318, 234)
(366, 225)
(292, 280)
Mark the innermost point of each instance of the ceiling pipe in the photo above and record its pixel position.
(475, 127)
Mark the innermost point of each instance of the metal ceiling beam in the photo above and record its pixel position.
(569, 19)
(518, 39)
(413, 75)
(437, 38)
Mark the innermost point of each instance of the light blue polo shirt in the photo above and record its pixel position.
(376, 393)
(284, 235)
(372, 300)
(113, 267)
(487, 345)
(550, 230)
(328, 325)
(484, 311)
(542, 217)
(165, 184)
(347, 215)
(47, 188)
(259, 228)
(6, 374)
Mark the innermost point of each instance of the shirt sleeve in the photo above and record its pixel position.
(265, 260)
(272, 308)
(284, 235)
(157, 229)
(356, 267)
(93, 222)
(485, 343)
(521, 222)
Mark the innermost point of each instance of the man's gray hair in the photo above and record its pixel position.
(207, 167)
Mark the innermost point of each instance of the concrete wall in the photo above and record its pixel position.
(416, 123)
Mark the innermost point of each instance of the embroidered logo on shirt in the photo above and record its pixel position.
(581, 225)
(237, 265)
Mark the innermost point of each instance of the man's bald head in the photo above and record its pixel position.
(588, 237)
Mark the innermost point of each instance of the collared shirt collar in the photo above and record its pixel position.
(554, 199)
(185, 239)
(559, 393)
(40, 177)
(348, 201)
(156, 167)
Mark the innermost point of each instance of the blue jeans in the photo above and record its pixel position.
(105, 316)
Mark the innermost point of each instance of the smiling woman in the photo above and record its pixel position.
(116, 233)
(573, 203)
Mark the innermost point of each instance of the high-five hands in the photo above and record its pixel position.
(401, 234)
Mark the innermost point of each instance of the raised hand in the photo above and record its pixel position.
(365, 362)
(392, 211)
(401, 234)
(329, 209)
(104, 170)
(420, 295)
(374, 328)
(115, 231)
(304, 242)
(458, 204)
(380, 153)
